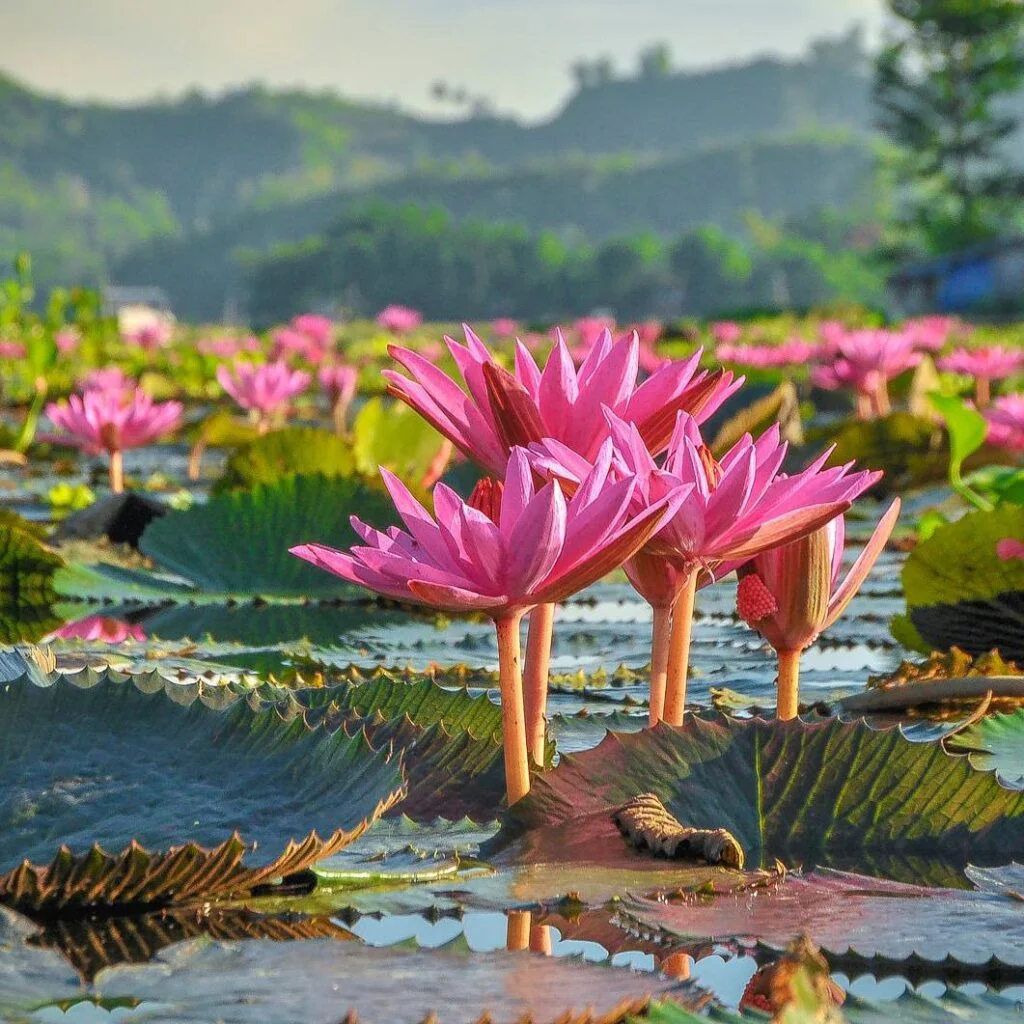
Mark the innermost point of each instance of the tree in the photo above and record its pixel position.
(941, 81)
(655, 61)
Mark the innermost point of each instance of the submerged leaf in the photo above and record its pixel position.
(237, 543)
(290, 452)
(826, 791)
(112, 768)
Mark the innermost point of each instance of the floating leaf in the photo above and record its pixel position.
(996, 743)
(393, 436)
(826, 791)
(222, 429)
(967, 429)
(26, 582)
(780, 406)
(293, 451)
(237, 543)
(960, 593)
(110, 767)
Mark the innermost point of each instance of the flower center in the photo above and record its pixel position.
(754, 601)
(486, 498)
(712, 467)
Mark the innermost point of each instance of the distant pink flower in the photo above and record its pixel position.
(339, 383)
(866, 361)
(930, 333)
(1006, 423)
(320, 329)
(503, 327)
(984, 365)
(263, 388)
(1009, 548)
(110, 421)
(790, 353)
(218, 348)
(150, 336)
(291, 342)
(648, 331)
(67, 339)
(109, 378)
(726, 332)
(588, 331)
(99, 627)
(559, 402)
(399, 319)
(12, 350)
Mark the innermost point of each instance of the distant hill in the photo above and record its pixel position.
(86, 185)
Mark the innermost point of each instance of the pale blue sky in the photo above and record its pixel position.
(517, 52)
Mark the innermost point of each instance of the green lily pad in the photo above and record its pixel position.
(960, 593)
(26, 581)
(390, 434)
(290, 452)
(105, 766)
(995, 743)
(237, 543)
(824, 792)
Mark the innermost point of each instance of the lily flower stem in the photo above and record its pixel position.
(660, 639)
(517, 930)
(789, 685)
(513, 720)
(882, 403)
(535, 678)
(35, 410)
(982, 391)
(117, 471)
(865, 406)
(339, 413)
(540, 939)
(679, 651)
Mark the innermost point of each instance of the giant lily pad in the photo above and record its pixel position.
(26, 581)
(112, 768)
(301, 451)
(995, 743)
(961, 593)
(238, 543)
(828, 791)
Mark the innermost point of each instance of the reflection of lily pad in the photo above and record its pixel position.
(290, 452)
(238, 543)
(109, 766)
(783, 789)
(960, 593)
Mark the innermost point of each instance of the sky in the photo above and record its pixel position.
(517, 53)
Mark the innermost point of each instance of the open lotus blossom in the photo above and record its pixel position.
(67, 339)
(733, 509)
(12, 350)
(501, 409)
(109, 378)
(508, 549)
(320, 329)
(504, 327)
(99, 627)
(339, 383)
(110, 421)
(790, 353)
(791, 593)
(867, 361)
(985, 365)
(399, 319)
(264, 389)
(1009, 548)
(150, 336)
(1006, 423)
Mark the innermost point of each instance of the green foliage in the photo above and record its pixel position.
(281, 453)
(237, 543)
(967, 429)
(995, 743)
(960, 593)
(26, 580)
(942, 81)
(390, 434)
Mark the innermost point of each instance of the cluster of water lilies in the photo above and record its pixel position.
(588, 471)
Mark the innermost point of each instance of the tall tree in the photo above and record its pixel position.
(941, 81)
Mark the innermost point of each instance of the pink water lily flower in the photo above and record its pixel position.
(504, 327)
(931, 333)
(1009, 548)
(985, 365)
(734, 509)
(67, 339)
(110, 421)
(790, 353)
(399, 319)
(292, 343)
(101, 628)
(264, 389)
(502, 409)
(12, 350)
(790, 594)
(339, 383)
(1006, 423)
(502, 553)
(320, 329)
(867, 361)
(150, 336)
(109, 378)
(726, 332)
